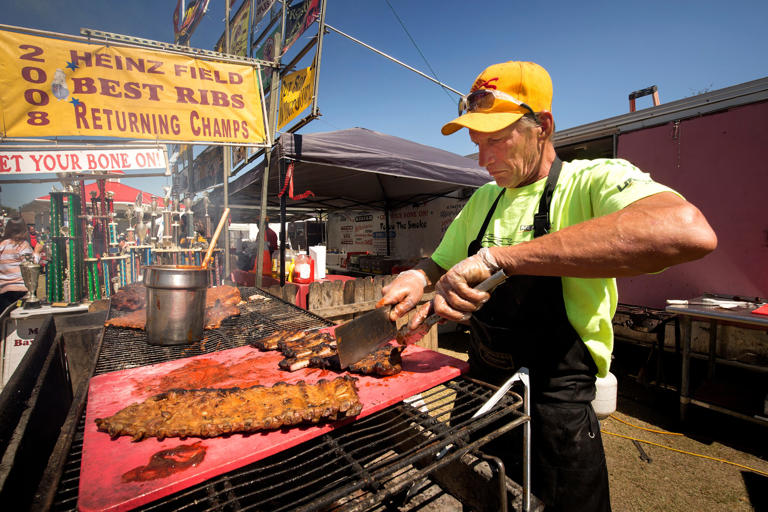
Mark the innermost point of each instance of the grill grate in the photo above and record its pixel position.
(361, 466)
(128, 348)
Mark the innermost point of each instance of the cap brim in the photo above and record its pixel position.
(482, 122)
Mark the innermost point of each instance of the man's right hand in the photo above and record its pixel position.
(403, 293)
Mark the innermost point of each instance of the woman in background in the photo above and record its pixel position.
(14, 248)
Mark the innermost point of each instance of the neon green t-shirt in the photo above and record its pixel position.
(585, 189)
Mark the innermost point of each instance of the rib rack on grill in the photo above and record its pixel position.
(130, 297)
(215, 412)
(270, 342)
(220, 304)
(318, 350)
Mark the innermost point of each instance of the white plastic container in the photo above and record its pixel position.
(604, 403)
(318, 255)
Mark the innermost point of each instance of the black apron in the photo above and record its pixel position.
(524, 324)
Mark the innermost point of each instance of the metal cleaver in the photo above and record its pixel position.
(361, 336)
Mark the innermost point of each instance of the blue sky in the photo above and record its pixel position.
(596, 51)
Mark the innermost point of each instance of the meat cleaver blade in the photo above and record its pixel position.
(361, 336)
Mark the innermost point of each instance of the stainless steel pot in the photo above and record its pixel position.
(175, 304)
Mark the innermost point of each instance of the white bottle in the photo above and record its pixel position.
(604, 403)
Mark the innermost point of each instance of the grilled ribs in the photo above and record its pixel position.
(218, 312)
(130, 297)
(220, 304)
(385, 360)
(214, 412)
(304, 346)
(133, 320)
(270, 342)
(318, 350)
(224, 294)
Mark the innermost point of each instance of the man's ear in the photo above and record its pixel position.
(547, 123)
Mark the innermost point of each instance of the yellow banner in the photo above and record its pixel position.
(54, 87)
(296, 93)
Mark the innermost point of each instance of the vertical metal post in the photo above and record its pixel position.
(281, 164)
(272, 124)
(524, 378)
(318, 55)
(227, 164)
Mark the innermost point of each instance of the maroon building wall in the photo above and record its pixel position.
(719, 163)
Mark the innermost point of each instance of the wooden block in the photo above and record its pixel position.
(349, 291)
(316, 296)
(344, 310)
(360, 288)
(337, 293)
(290, 290)
(378, 284)
(325, 294)
(368, 294)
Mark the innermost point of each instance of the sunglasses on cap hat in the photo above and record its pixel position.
(485, 99)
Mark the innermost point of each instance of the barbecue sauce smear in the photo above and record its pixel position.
(206, 373)
(167, 462)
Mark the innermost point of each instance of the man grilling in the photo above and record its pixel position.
(562, 232)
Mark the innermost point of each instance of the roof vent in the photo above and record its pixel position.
(644, 92)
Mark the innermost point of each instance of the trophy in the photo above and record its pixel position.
(167, 239)
(190, 218)
(129, 232)
(154, 213)
(141, 226)
(206, 204)
(30, 272)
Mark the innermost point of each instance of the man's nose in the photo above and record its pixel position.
(484, 157)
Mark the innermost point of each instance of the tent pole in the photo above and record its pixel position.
(262, 221)
(281, 162)
(272, 120)
(227, 163)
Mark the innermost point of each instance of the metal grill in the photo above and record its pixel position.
(366, 465)
(128, 348)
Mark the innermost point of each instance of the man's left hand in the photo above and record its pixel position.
(455, 298)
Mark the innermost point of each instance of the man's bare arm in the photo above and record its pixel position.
(647, 236)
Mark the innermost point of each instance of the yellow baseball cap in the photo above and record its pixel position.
(501, 95)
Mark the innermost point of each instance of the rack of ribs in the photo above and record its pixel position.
(220, 303)
(214, 412)
(270, 342)
(385, 360)
(130, 297)
(305, 346)
(318, 350)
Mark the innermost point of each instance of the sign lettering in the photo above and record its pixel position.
(33, 162)
(56, 87)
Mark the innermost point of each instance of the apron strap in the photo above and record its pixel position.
(541, 222)
(476, 244)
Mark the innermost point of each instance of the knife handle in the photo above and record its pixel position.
(492, 282)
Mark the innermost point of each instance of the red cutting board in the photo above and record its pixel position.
(106, 461)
